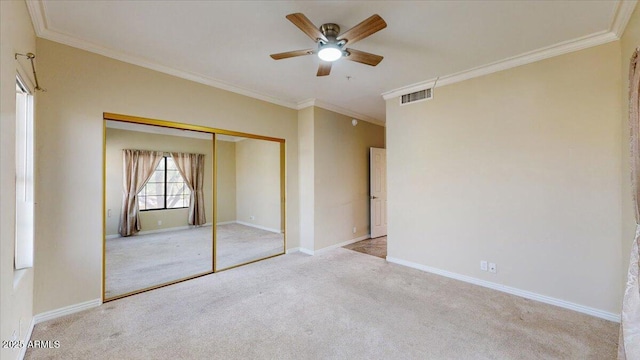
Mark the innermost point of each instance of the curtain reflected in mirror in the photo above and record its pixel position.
(249, 222)
(158, 206)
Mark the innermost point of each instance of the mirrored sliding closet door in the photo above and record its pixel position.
(181, 201)
(249, 200)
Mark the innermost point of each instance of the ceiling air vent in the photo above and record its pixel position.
(421, 95)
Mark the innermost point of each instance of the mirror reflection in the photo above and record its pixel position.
(249, 223)
(159, 206)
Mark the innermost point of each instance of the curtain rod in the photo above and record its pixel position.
(31, 56)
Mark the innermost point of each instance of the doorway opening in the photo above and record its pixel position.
(377, 244)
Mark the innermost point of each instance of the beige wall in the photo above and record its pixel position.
(629, 42)
(80, 87)
(117, 140)
(16, 35)
(307, 182)
(341, 176)
(226, 158)
(521, 168)
(258, 183)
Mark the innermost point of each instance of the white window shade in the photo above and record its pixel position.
(24, 178)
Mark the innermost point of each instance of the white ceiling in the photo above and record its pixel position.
(227, 43)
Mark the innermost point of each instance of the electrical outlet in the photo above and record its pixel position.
(159, 222)
(483, 265)
(354, 229)
(493, 268)
(252, 217)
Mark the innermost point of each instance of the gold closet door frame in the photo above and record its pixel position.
(204, 129)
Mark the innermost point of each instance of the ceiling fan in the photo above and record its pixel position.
(332, 44)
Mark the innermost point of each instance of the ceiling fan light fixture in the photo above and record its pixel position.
(331, 43)
(329, 52)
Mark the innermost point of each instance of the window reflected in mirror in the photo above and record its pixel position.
(159, 206)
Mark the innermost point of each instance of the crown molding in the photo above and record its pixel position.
(523, 59)
(622, 16)
(305, 103)
(38, 17)
(620, 20)
(337, 109)
(37, 13)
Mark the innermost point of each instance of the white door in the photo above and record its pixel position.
(378, 184)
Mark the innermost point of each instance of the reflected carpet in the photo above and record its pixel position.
(141, 261)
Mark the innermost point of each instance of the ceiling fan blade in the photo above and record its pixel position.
(324, 68)
(368, 27)
(304, 24)
(363, 57)
(290, 54)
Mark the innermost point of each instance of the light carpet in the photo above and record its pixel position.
(338, 305)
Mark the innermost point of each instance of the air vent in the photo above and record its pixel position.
(421, 95)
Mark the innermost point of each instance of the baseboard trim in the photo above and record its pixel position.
(306, 251)
(23, 350)
(67, 310)
(293, 250)
(259, 227)
(147, 232)
(511, 290)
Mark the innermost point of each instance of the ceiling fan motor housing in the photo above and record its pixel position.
(331, 32)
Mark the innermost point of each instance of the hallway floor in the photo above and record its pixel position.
(376, 247)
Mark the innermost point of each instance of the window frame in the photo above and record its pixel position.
(165, 195)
